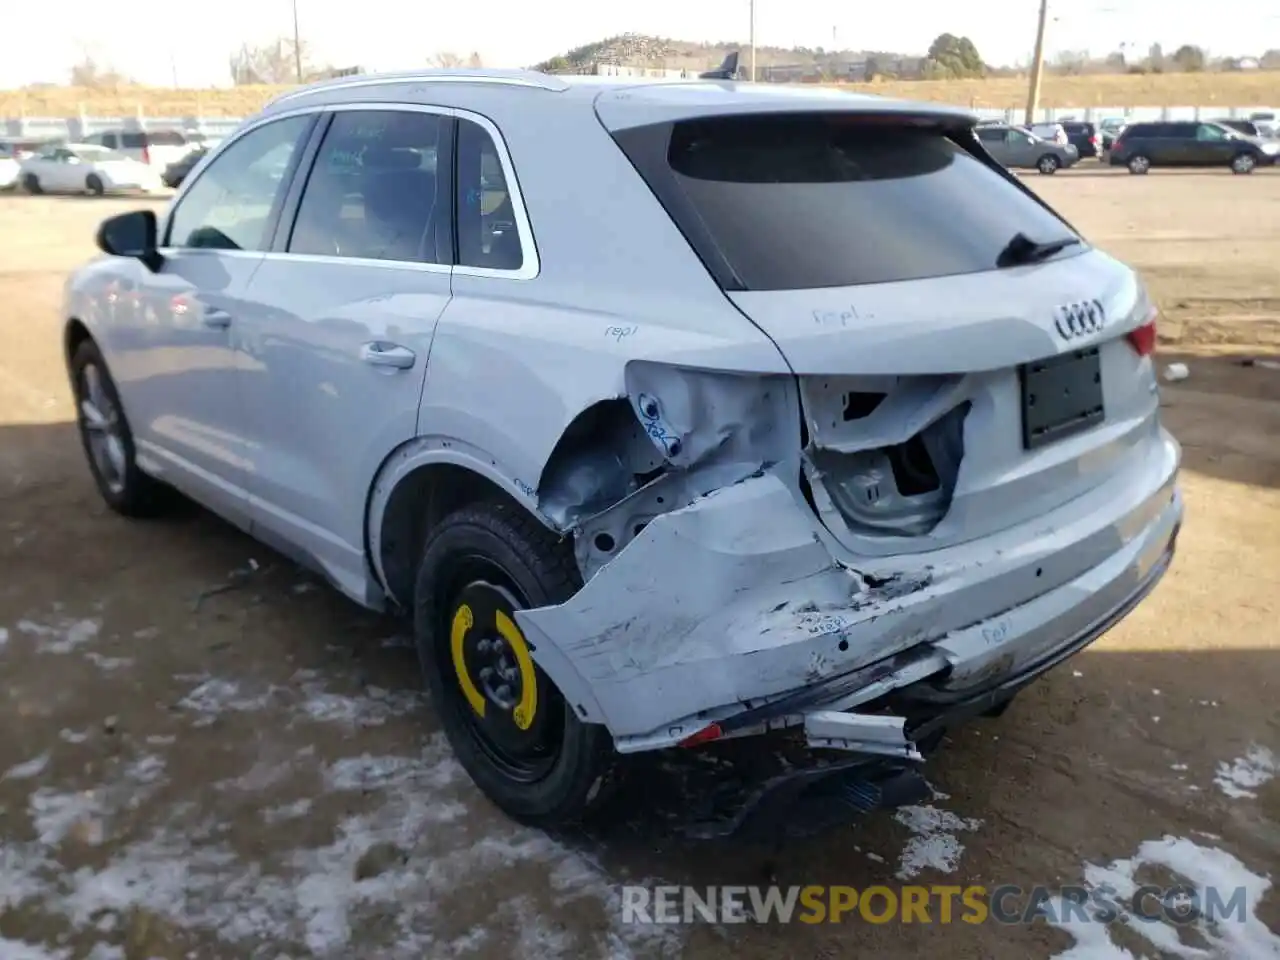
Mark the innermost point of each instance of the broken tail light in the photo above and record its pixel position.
(705, 735)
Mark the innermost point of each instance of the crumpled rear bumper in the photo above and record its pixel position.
(732, 611)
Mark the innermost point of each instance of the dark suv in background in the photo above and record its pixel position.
(1142, 146)
(1084, 136)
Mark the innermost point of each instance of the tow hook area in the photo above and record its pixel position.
(836, 767)
(809, 800)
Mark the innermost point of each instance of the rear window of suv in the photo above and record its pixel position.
(798, 202)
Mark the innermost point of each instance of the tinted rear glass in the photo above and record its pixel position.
(781, 203)
(166, 138)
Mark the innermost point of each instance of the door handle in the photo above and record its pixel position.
(381, 354)
(213, 317)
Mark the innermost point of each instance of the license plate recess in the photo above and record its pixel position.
(1061, 396)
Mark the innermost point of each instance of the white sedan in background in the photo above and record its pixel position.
(85, 168)
(9, 168)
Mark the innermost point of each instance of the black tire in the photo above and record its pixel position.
(1139, 165)
(480, 544)
(31, 184)
(1048, 164)
(126, 489)
(1243, 163)
(94, 185)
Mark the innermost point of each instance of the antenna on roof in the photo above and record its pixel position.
(726, 71)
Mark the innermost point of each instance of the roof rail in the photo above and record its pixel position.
(513, 78)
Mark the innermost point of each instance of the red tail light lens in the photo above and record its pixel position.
(1143, 338)
(705, 735)
(146, 154)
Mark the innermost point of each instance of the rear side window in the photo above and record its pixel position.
(133, 141)
(795, 202)
(488, 235)
(1182, 129)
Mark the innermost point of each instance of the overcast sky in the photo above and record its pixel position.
(155, 42)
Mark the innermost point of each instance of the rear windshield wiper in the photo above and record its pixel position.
(1022, 250)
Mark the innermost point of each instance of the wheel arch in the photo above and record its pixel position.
(420, 483)
(74, 333)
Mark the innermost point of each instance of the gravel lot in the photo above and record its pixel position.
(209, 755)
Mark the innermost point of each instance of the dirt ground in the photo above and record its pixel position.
(208, 755)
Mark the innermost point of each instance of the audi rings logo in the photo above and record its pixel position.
(1076, 320)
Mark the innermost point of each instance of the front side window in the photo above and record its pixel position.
(488, 236)
(808, 201)
(1208, 132)
(373, 191)
(229, 206)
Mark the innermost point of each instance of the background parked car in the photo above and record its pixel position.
(85, 168)
(1016, 148)
(157, 148)
(177, 171)
(1053, 132)
(9, 169)
(1190, 144)
(1247, 127)
(1109, 129)
(1084, 136)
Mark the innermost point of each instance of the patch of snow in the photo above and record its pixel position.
(1239, 935)
(31, 768)
(388, 872)
(4, 636)
(62, 637)
(933, 844)
(21, 950)
(290, 811)
(108, 663)
(1243, 776)
(73, 736)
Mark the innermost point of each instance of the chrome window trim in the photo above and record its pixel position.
(531, 265)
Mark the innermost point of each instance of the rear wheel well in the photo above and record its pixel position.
(417, 505)
(73, 335)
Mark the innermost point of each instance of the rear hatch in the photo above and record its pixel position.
(966, 361)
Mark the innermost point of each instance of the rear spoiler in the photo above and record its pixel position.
(728, 70)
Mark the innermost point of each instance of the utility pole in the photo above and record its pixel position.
(297, 42)
(1037, 65)
(753, 39)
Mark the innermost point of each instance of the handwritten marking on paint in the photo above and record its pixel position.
(620, 333)
(651, 419)
(839, 318)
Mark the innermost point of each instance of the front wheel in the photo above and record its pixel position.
(93, 184)
(1139, 165)
(108, 440)
(511, 729)
(1048, 164)
(1243, 163)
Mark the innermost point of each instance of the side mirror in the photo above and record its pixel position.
(131, 234)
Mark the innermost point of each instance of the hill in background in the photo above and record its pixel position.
(636, 50)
